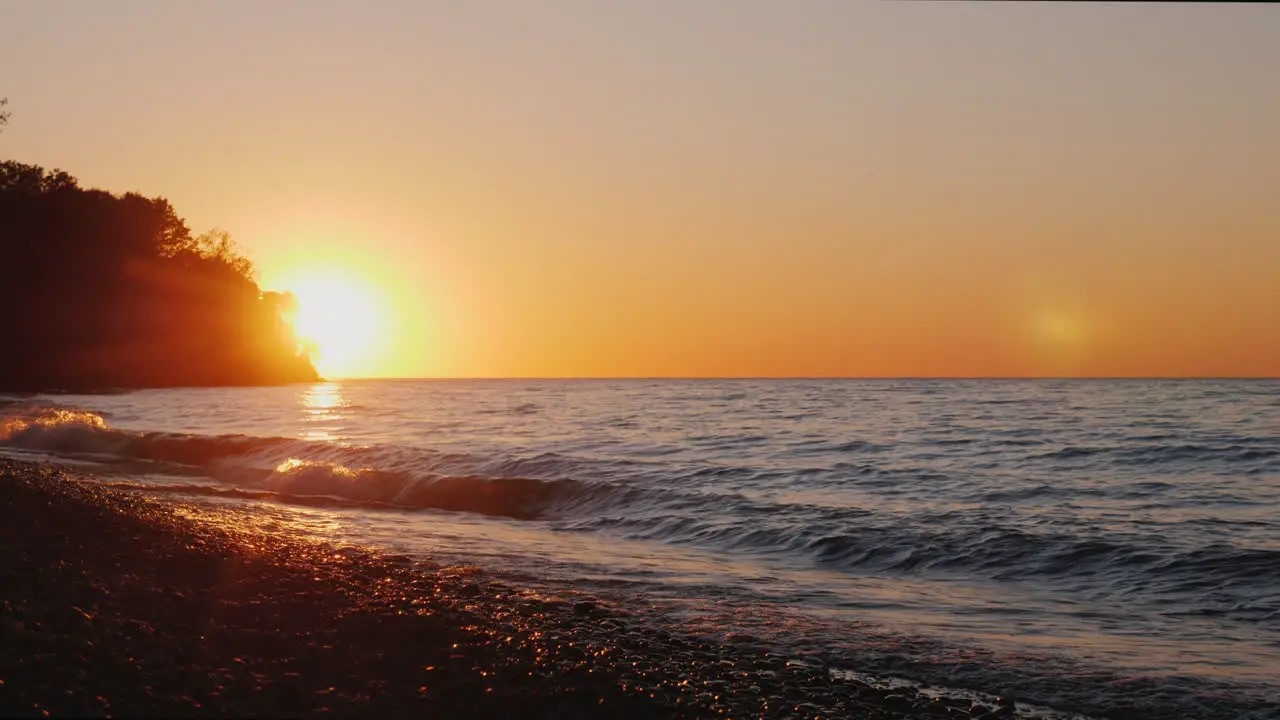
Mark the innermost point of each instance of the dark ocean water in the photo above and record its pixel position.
(1110, 548)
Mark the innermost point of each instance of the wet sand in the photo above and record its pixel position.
(115, 604)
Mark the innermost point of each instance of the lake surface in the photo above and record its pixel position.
(1086, 545)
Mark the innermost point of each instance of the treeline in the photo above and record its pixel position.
(99, 291)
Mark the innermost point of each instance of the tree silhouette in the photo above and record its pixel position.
(101, 290)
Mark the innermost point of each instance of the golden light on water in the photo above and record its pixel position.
(290, 464)
(293, 464)
(52, 418)
(322, 398)
(322, 405)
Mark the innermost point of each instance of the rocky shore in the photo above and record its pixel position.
(112, 604)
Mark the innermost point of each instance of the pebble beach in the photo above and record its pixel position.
(115, 604)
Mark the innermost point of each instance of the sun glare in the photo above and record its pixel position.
(339, 319)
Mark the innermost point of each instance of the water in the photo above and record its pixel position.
(1103, 547)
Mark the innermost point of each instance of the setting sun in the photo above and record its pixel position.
(338, 318)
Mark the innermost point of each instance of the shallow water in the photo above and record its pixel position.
(1090, 545)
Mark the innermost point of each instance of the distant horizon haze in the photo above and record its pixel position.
(712, 190)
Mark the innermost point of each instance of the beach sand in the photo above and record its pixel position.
(115, 604)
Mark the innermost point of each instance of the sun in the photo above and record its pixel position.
(339, 319)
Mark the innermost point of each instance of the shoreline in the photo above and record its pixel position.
(115, 604)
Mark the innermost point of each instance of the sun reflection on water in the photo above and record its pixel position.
(323, 406)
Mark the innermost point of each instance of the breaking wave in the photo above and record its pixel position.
(294, 470)
(691, 507)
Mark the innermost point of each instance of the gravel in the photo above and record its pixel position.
(113, 604)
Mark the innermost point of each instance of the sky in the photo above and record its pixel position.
(715, 188)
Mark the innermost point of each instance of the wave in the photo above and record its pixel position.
(1223, 579)
(38, 427)
(514, 497)
(308, 469)
(1241, 451)
(698, 505)
(334, 486)
(79, 432)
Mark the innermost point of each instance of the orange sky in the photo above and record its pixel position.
(705, 189)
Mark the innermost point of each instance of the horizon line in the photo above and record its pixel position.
(807, 377)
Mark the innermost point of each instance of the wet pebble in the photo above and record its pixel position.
(229, 623)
